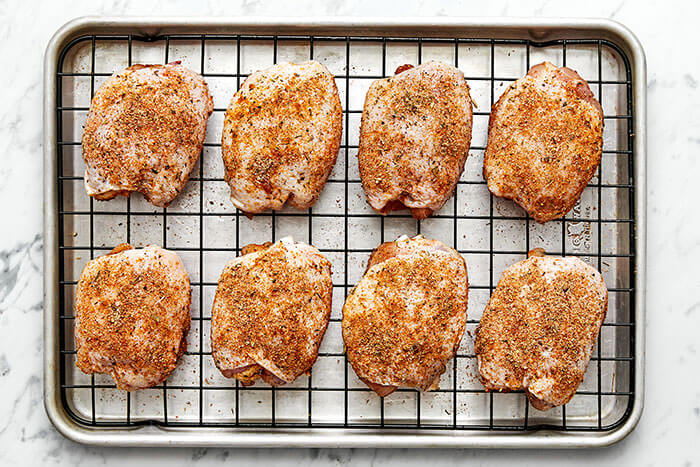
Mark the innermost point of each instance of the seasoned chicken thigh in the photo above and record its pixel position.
(405, 318)
(539, 329)
(145, 131)
(545, 141)
(132, 315)
(281, 137)
(414, 138)
(270, 312)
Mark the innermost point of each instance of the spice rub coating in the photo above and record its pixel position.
(145, 132)
(132, 315)
(270, 312)
(539, 328)
(405, 318)
(281, 137)
(545, 141)
(414, 138)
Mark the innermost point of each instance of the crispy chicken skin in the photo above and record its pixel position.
(281, 137)
(145, 131)
(270, 312)
(414, 138)
(545, 141)
(405, 318)
(539, 328)
(132, 311)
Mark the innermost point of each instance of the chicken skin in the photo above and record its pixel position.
(414, 138)
(545, 141)
(145, 132)
(270, 312)
(132, 315)
(540, 327)
(281, 137)
(405, 318)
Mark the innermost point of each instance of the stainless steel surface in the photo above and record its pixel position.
(577, 239)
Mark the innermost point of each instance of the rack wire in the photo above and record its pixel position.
(600, 230)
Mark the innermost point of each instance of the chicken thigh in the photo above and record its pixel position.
(145, 132)
(132, 315)
(539, 328)
(270, 312)
(281, 137)
(405, 318)
(414, 138)
(545, 141)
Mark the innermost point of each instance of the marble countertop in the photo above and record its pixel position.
(670, 427)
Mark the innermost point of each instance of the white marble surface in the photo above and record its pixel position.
(670, 427)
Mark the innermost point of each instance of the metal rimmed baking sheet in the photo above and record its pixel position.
(198, 407)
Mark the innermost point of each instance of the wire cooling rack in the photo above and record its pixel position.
(203, 227)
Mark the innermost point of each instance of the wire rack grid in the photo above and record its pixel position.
(206, 231)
